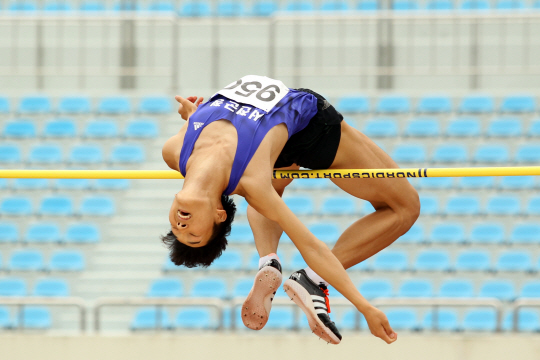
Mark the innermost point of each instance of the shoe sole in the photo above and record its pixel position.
(301, 297)
(254, 313)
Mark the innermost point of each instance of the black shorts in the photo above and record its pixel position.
(314, 147)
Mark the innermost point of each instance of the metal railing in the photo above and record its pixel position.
(518, 305)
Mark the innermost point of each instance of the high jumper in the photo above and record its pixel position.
(231, 144)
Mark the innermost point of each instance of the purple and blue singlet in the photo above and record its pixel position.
(254, 105)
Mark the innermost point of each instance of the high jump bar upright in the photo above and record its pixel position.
(281, 174)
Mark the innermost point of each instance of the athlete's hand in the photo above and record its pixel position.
(188, 106)
(379, 326)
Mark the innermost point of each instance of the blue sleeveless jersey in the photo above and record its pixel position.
(252, 124)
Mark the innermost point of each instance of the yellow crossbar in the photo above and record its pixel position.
(280, 174)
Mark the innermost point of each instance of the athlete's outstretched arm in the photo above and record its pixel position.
(317, 255)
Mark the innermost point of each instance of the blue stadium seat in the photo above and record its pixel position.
(240, 234)
(463, 127)
(367, 5)
(82, 233)
(56, 206)
(480, 319)
(162, 6)
(127, 154)
(528, 320)
(86, 154)
(5, 107)
(534, 129)
(414, 235)
(533, 207)
(43, 233)
(12, 287)
(440, 5)
(101, 130)
(505, 127)
(6, 322)
(299, 5)
(228, 8)
(127, 6)
(514, 261)
(391, 260)
(334, 5)
(432, 260)
(46, 154)
(516, 103)
(74, 105)
(400, 5)
(338, 205)
(444, 319)
(67, 260)
(429, 205)
(491, 154)
(36, 317)
(472, 260)
(51, 287)
(72, 184)
(242, 287)
(531, 289)
(141, 129)
(403, 319)
(416, 288)
(209, 287)
(60, 128)
(353, 104)
(327, 232)
(229, 260)
(111, 184)
(92, 6)
(450, 154)
(528, 233)
(97, 206)
(375, 288)
(297, 261)
(393, 104)
(3, 183)
(195, 9)
(528, 154)
(477, 182)
(195, 318)
(434, 104)
(448, 233)
(57, 6)
(478, 104)
(487, 233)
(423, 127)
(241, 206)
(166, 287)
(408, 153)
(10, 154)
(35, 105)
(517, 182)
(475, 5)
(435, 183)
(22, 6)
(16, 206)
(462, 205)
(31, 184)
(8, 232)
(114, 105)
(21, 129)
(381, 128)
(457, 288)
(300, 205)
(264, 8)
(26, 260)
(510, 4)
(150, 318)
(503, 205)
(500, 289)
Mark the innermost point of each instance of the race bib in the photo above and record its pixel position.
(259, 91)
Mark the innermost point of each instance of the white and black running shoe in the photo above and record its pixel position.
(256, 308)
(313, 300)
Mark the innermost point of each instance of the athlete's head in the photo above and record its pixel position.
(199, 227)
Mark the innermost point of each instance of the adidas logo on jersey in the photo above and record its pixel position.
(197, 125)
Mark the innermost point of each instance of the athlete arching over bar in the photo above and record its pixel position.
(270, 126)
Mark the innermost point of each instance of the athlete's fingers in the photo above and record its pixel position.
(384, 336)
(199, 101)
(192, 98)
(389, 331)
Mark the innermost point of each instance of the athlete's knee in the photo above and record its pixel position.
(408, 209)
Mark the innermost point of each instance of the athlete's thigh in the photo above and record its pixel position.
(357, 151)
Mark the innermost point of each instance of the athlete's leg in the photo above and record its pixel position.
(395, 200)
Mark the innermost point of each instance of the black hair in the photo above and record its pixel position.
(190, 257)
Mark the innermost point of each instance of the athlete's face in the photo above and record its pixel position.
(193, 218)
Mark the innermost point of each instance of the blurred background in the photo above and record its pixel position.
(91, 85)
